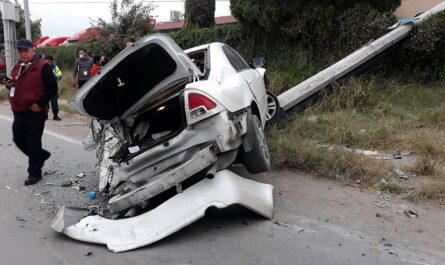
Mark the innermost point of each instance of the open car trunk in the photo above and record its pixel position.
(158, 124)
(137, 78)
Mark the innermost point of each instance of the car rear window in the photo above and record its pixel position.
(235, 59)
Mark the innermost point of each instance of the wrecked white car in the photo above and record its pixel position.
(162, 115)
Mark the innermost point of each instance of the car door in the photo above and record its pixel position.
(251, 76)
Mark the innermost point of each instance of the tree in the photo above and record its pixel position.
(273, 15)
(130, 19)
(36, 32)
(199, 13)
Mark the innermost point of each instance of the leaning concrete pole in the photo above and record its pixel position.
(305, 89)
(10, 16)
(27, 20)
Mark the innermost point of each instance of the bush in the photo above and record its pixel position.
(359, 25)
(64, 56)
(422, 55)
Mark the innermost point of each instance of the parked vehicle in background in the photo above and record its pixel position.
(52, 42)
(162, 115)
(39, 41)
(80, 36)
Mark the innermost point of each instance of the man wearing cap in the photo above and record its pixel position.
(31, 85)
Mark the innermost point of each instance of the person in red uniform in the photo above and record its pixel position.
(97, 66)
(31, 85)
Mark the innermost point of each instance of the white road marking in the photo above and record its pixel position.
(53, 134)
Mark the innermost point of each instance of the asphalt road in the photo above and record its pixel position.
(316, 221)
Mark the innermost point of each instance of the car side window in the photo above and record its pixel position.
(235, 59)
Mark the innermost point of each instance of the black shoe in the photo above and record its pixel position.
(32, 180)
(56, 117)
(46, 156)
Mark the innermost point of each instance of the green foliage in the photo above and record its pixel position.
(422, 54)
(360, 25)
(129, 20)
(230, 34)
(64, 56)
(199, 13)
(276, 16)
(36, 31)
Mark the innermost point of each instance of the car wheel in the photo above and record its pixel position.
(257, 160)
(273, 107)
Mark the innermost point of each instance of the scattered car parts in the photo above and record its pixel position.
(225, 189)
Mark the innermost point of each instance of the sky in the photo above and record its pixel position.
(66, 17)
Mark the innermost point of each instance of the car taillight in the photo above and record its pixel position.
(199, 105)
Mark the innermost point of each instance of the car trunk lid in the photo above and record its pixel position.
(140, 75)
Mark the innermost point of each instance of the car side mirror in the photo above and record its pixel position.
(258, 62)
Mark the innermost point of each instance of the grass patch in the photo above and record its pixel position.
(66, 88)
(434, 190)
(373, 114)
(3, 93)
(319, 159)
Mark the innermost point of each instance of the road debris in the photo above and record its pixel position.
(366, 152)
(313, 119)
(411, 214)
(66, 184)
(8, 188)
(403, 175)
(88, 252)
(172, 215)
(406, 153)
(49, 172)
(77, 186)
(397, 156)
(21, 218)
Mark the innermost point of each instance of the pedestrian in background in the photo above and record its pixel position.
(97, 66)
(58, 74)
(82, 67)
(31, 86)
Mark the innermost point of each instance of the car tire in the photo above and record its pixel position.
(273, 108)
(257, 160)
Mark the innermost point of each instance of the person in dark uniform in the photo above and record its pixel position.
(31, 85)
(82, 67)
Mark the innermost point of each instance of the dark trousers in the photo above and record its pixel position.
(27, 130)
(55, 105)
(80, 83)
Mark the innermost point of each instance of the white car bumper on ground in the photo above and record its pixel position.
(225, 189)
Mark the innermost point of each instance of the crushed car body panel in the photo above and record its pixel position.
(201, 160)
(225, 189)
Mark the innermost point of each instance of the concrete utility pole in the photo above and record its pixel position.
(27, 20)
(10, 15)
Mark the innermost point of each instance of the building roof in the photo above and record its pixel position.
(180, 24)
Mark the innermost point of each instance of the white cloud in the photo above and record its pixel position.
(68, 18)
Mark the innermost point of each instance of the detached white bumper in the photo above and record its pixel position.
(225, 189)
